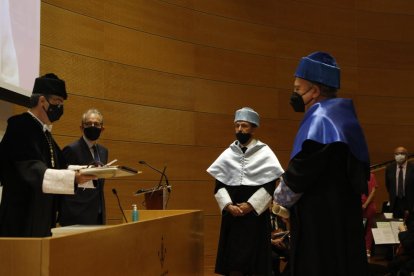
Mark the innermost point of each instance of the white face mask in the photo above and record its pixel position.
(400, 158)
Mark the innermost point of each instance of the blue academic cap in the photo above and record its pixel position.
(247, 114)
(319, 67)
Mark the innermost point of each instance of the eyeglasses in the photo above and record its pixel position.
(55, 100)
(92, 124)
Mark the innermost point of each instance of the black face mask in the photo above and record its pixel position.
(92, 133)
(54, 112)
(296, 101)
(243, 137)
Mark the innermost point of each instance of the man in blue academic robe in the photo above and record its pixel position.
(327, 172)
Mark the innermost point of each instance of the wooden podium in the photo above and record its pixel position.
(163, 242)
(156, 198)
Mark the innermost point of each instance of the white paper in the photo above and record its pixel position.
(386, 232)
(87, 185)
(77, 167)
(383, 235)
(383, 224)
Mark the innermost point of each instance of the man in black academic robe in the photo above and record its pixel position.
(33, 165)
(327, 172)
(246, 175)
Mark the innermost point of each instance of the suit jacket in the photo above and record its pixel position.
(87, 206)
(390, 183)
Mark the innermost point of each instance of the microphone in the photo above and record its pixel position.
(161, 172)
(140, 191)
(119, 203)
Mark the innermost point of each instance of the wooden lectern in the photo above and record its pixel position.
(156, 198)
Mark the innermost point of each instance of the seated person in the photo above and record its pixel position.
(280, 244)
(403, 261)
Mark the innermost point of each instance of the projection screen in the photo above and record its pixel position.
(19, 49)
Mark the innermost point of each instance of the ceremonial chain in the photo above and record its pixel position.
(49, 142)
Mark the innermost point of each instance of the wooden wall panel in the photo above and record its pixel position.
(72, 32)
(127, 46)
(91, 8)
(95, 78)
(339, 4)
(385, 7)
(84, 76)
(380, 26)
(262, 12)
(226, 98)
(279, 13)
(384, 138)
(387, 111)
(385, 54)
(384, 82)
(315, 18)
(295, 44)
(181, 23)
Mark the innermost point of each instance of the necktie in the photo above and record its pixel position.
(400, 187)
(98, 163)
(96, 154)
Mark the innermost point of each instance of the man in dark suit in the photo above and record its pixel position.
(399, 180)
(87, 206)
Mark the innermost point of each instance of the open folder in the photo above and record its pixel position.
(109, 171)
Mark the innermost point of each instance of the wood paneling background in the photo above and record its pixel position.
(169, 74)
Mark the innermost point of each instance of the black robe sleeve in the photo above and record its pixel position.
(306, 168)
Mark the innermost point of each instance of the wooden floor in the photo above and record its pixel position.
(378, 261)
(377, 264)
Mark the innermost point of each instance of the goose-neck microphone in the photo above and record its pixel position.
(119, 203)
(161, 172)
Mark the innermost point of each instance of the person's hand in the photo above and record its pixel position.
(278, 243)
(234, 210)
(82, 178)
(245, 207)
(402, 227)
(275, 208)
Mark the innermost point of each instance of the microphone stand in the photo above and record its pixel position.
(160, 185)
(119, 203)
(161, 172)
(162, 176)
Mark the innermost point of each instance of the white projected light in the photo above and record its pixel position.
(19, 48)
